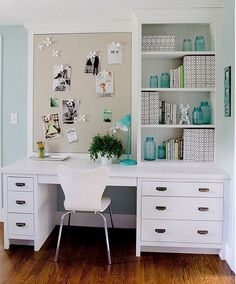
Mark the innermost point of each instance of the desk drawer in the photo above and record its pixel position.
(181, 231)
(21, 202)
(21, 224)
(20, 183)
(161, 188)
(184, 208)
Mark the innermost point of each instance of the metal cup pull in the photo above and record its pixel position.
(20, 224)
(20, 184)
(203, 209)
(20, 202)
(204, 189)
(161, 188)
(160, 231)
(161, 208)
(202, 232)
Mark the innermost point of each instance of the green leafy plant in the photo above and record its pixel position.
(106, 145)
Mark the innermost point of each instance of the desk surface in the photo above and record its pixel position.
(163, 171)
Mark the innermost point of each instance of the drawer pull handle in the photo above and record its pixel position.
(20, 202)
(20, 224)
(160, 207)
(20, 184)
(160, 231)
(161, 188)
(202, 232)
(203, 209)
(203, 189)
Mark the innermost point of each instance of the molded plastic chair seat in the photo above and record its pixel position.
(84, 192)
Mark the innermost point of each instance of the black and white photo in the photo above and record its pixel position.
(69, 111)
(61, 78)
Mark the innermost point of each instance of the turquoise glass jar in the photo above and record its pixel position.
(161, 151)
(197, 115)
(153, 81)
(187, 44)
(149, 149)
(199, 43)
(165, 80)
(206, 115)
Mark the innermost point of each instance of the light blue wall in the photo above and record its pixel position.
(14, 92)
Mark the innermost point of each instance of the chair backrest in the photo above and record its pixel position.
(83, 189)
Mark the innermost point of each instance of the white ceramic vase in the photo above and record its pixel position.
(106, 161)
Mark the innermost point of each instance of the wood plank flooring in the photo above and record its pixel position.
(83, 260)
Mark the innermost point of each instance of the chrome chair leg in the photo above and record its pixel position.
(110, 211)
(59, 236)
(106, 234)
(69, 219)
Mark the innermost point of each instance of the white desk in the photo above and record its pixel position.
(35, 180)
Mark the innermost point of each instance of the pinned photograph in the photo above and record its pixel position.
(114, 53)
(54, 102)
(61, 78)
(52, 127)
(104, 84)
(107, 115)
(70, 111)
(71, 135)
(93, 65)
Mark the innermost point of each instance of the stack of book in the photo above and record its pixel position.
(167, 113)
(174, 149)
(177, 77)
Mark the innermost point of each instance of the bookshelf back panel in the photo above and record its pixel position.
(181, 31)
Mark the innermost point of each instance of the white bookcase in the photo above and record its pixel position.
(154, 23)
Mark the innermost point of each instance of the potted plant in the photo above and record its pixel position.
(107, 146)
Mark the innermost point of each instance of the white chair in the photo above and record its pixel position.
(84, 192)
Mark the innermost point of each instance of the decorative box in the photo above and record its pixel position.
(199, 145)
(149, 108)
(158, 43)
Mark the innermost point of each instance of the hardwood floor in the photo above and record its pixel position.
(83, 260)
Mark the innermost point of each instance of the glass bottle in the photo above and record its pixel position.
(165, 80)
(206, 115)
(197, 115)
(187, 44)
(153, 81)
(149, 149)
(199, 43)
(161, 151)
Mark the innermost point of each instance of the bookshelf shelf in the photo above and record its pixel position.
(174, 54)
(169, 126)
(177, 90)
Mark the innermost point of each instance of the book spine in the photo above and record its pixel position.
(181, 76)
(162, 112)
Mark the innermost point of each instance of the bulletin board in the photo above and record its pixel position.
(81, 87)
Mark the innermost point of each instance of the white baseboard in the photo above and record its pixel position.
(93, 220)
(229, 255)
(1, 215)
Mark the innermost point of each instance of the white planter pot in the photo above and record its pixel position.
(106, 161)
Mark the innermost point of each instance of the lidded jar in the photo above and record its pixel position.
(153, 81)
(199, 43)
(187, 44)
(206, 115)
(197, 115)
(149, 149)
(165, 80)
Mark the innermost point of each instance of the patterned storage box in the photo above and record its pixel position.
(199, 71)
(199, 145)
(149, 108)
(159, 43)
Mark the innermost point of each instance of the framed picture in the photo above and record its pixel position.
(227, 91)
